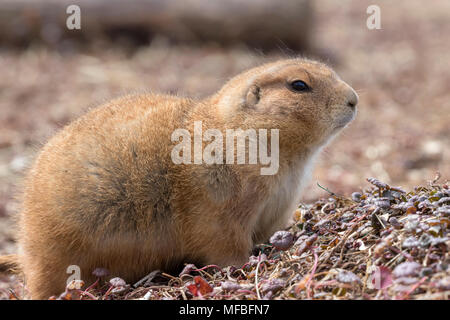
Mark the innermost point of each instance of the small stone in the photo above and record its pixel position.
(377, 183)
(306, 244)
(412, 223)
(443, 266)
(438, 240)
(282, 240)
(424, 226)
(443, 201)
(117, 282)
(410, 242)
(348, 216)
(444, 284)
(424, 240)
(284, 272)
(425, 204)
(273, 285)
(407, 269)
(253, 260)
(422, 198)
(347, 277)
(356, 196)
(230, 286)
(401, 206)
(382, 203)
(426, 272)
(439, 194)
(444, 211)
(395, 223)
(406, 280)
(389, 194)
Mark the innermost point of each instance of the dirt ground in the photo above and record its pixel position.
(401, 73)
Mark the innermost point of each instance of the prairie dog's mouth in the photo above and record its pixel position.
(345, 118)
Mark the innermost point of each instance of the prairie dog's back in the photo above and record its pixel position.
(107, 151)
(109, 185)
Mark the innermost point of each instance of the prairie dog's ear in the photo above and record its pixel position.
(235, 96)
(253, 96)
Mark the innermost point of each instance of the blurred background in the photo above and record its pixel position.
(51, 75)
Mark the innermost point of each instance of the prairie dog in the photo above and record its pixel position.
(105, 191)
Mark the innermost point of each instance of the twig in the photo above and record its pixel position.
(108, 292)
(256, 278)
(313, 271)
(411, 290)
(87, 294)
(11, 291)
(209, 266)
(341, 242)
(398, 251)
(326, 189)
(92, 285)
(147, 279)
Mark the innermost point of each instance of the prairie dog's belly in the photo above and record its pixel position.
(283, 199)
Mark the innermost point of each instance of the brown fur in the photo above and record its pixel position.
(104, 191)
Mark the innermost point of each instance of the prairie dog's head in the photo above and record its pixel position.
(295, 95)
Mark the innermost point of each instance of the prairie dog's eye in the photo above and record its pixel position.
(299, 85)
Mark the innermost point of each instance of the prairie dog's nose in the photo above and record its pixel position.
(352, 98)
